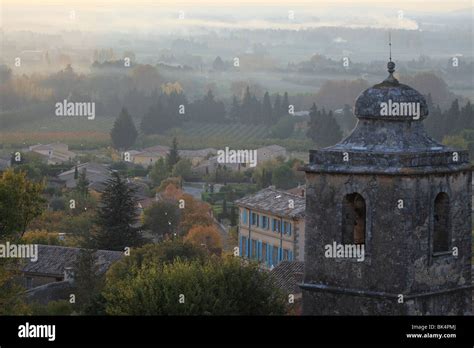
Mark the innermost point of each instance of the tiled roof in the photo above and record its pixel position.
(52, 260)
(46, 293)
(275, 202)
(273, 147)
(158, 148)
(287, 275)
(91, 168)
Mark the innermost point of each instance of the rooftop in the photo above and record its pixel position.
(275, 202)
(53, 259)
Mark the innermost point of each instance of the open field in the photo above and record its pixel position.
(89, 134)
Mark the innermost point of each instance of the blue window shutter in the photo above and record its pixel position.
(266, 255)
(240, 246)
(271, 255)
(279, 254)
(273, 224)
(289, 228)
(260, 250)
(247, 249)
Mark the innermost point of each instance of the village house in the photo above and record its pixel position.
(55, 153)
(96, 174)
(271, 226)
(266, 153)
(270, 152)
(56, 263)
(197, 156)
(148, 156)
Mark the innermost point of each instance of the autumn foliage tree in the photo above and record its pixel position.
(21, 201)
(206, 236)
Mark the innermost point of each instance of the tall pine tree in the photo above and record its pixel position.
(173, 156)
(276, 108)
(234, 113)
(285, 104)
(246, 109)
(323, 127)
(117, 216)
(123, 133)
(267, 110)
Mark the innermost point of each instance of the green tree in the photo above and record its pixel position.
(123, 133)
(182, 169)
(12, 301)
(277, 108)
(233, 216)
(173, 156)
(283, 128)
(117, 216)
(194, 288)
(323, 128)
(234, 112)
(285, 104)
(82, 185)
(267, 110)
(283, 177)
(159, 172)
(88, 282)
(21, 201)
(162, 219)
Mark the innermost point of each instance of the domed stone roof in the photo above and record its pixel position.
(389, 137)
(391, 94)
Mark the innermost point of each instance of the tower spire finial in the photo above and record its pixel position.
(390, 44)
(390, 64)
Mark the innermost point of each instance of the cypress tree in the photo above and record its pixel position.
(267, 110)
(117, 216)
(277, 108)
(123, 133)
(173, 156)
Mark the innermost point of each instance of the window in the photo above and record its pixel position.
(244, 217)
(264, 251)
(254, 219)
(244, 247)
(353, 219)
(254, 248)
(285, 254)
(275, 255)
(264, 221)
(441, 223)
(276, 225)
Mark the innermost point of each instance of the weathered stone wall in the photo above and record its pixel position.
(399, 257)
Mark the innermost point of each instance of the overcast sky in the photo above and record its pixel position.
(163, 15)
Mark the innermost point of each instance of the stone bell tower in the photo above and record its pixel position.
(403, 199)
